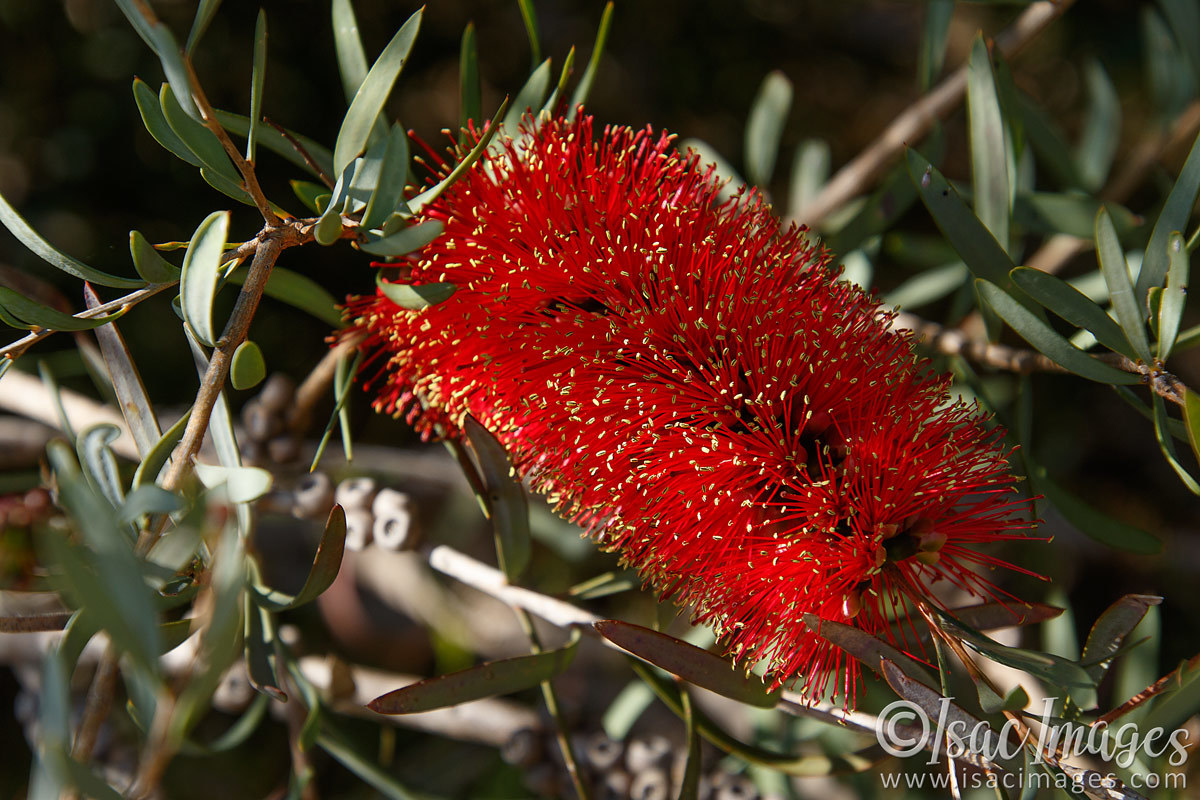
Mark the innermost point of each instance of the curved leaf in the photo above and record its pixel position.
(470, 102)
(198, 278)
(764, 127)
(405, 240)
(196, 137)
(31, 315)
(485, 680)
(1047, 341)
(372, 93)
(429, 195)
(148, 262)
(298, 291)
(388, 194)
(247, 368)
(990, 151)
(276, 142)
(156, 124)
(687, 662)
(1110, 630)
(326, 564)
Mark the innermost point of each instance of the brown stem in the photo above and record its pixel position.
(299, 148)
(914, 122)
(314, 387)
(31, 623)
(99, 700)
(1154, 689)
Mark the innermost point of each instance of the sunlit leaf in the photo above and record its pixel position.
(242, 484)
(196, 137)
(198, 278)
(406, 240)
(1174, 294)
(326, 564)
(276, 142)
(504, 499)
(1120, 287)
(149, 264)
(388, 194)
(1072, 305)
(257, 76)
(426, 197)
(156, 458)
(470, 102)
(32, 315)
(247, 368)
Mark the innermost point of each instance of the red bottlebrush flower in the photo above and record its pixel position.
(691, 381)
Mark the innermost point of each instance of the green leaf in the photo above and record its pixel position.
(325, 567)
(489, 679)
(406, 240)
(352, 60)
(930, 286)
(1047, 341)
(156, 124)
(174, 67)
(1183, 16)
(259, 638)
(31, 315)
(1191, 418)
(687, 662)
(503, 501)
(416, 297)
(365, 767)
(589, 73)
(1171, 85)
(247, 368)
(309, 194)
(237, 733)
(689, 784)
(1048, 142)
(1101, 130)
(198, 278)
(810, 172)
(242, 484)
(55, 258)
(373, 93)
(205, 12)
(225, 186)
(707, 154)
(298, 291)
(1174, 294)
(277, 142)
(1120, 287)
(970, 238)
(470, 98)
(149, 264)
(529, 99)
(1093, 523)
(1173, 217)
(429, 195)
(156, 458)
(1162, 433)
(196, 137)
(934, 34)
(98, 462)
(561, 87)
(1072, 305)
(990, 150)
(1073, 213)
(329, 227)
(764, 127)
(868, 649)
(885, 205)
(1110, 630)
(257, 76)
(393, 174)
(529, 17)
(148, 499)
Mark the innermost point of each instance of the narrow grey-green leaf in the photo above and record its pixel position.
(227, 187)
(868, 649)
(1047, 341)
(414, 297)
(810, 171)
(247, 368)
(1094, 523)
(1110, 630)
(35, 315)
(429, 195)
(406, 240)
(329, 227)
(689, 784)
(700, 667)
(504, 499)
(242, 484)
(1072, 305)
(1120, 287)
(529, 17)
(725, 172)
(198, 278)
(1170, 310)
(1101, 131)
(148, 499)
(529, 99)
(259, 639)
(257, 76)
(196, 137)
(373, 93)
(934, 34)
(326, 564)
(1191, 419)
(298, 291)
(27, 236)
(98, 462)
(127, 382)
(148, 262)
(1048, 142)
(990, 154)
(470, 99)
(1167, 445)
(764, 127)
(364, 766)
(156, 124)
(1171, 86)
(309, 192)
(561, 87)
(174, 67)
(205, 12)
(392, 176)
(277, 142)
(931, 285)
(489, 679)
(589, 73)
(1072, 213)
(978, 248)
(160, 453)
(1183, 16)
(352, 60)
(1173, 217)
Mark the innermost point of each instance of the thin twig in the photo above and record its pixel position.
(915, 121)
(299, 148)
(1154, 689)
(95, 710)
(954, 342)
(316, 384)
(34, 623)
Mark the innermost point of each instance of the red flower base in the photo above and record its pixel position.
(693, 383)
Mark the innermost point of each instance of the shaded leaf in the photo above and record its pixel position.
(529, 17)
(810, 172)
(1191, 418)
(257, 76)
(198, 278)
(276, 142)
(503, 500)
(1095, 524)
(489, 679)
(589, 73)
(990, 150)
(1173, 217)
(1072, 305)
(1174, 295)
(1047, 341)
(326, 564)
(31, 315)
(689, 783)
(470, 98)
(868, 649)
(364, 766)
(156, 124)
(1162, 433)
(148, 499)
(205, 12)
(310, 193)
(98, 462)
(529, 98)
(1048, 141)
(1120, 287)
(687, 662)
(764, 127)
(1110, 630)
(934, 34)
(197, 138)
(373, 93)
(156, 458)
(1072, 213)
(1101, 131)
(259, 638)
